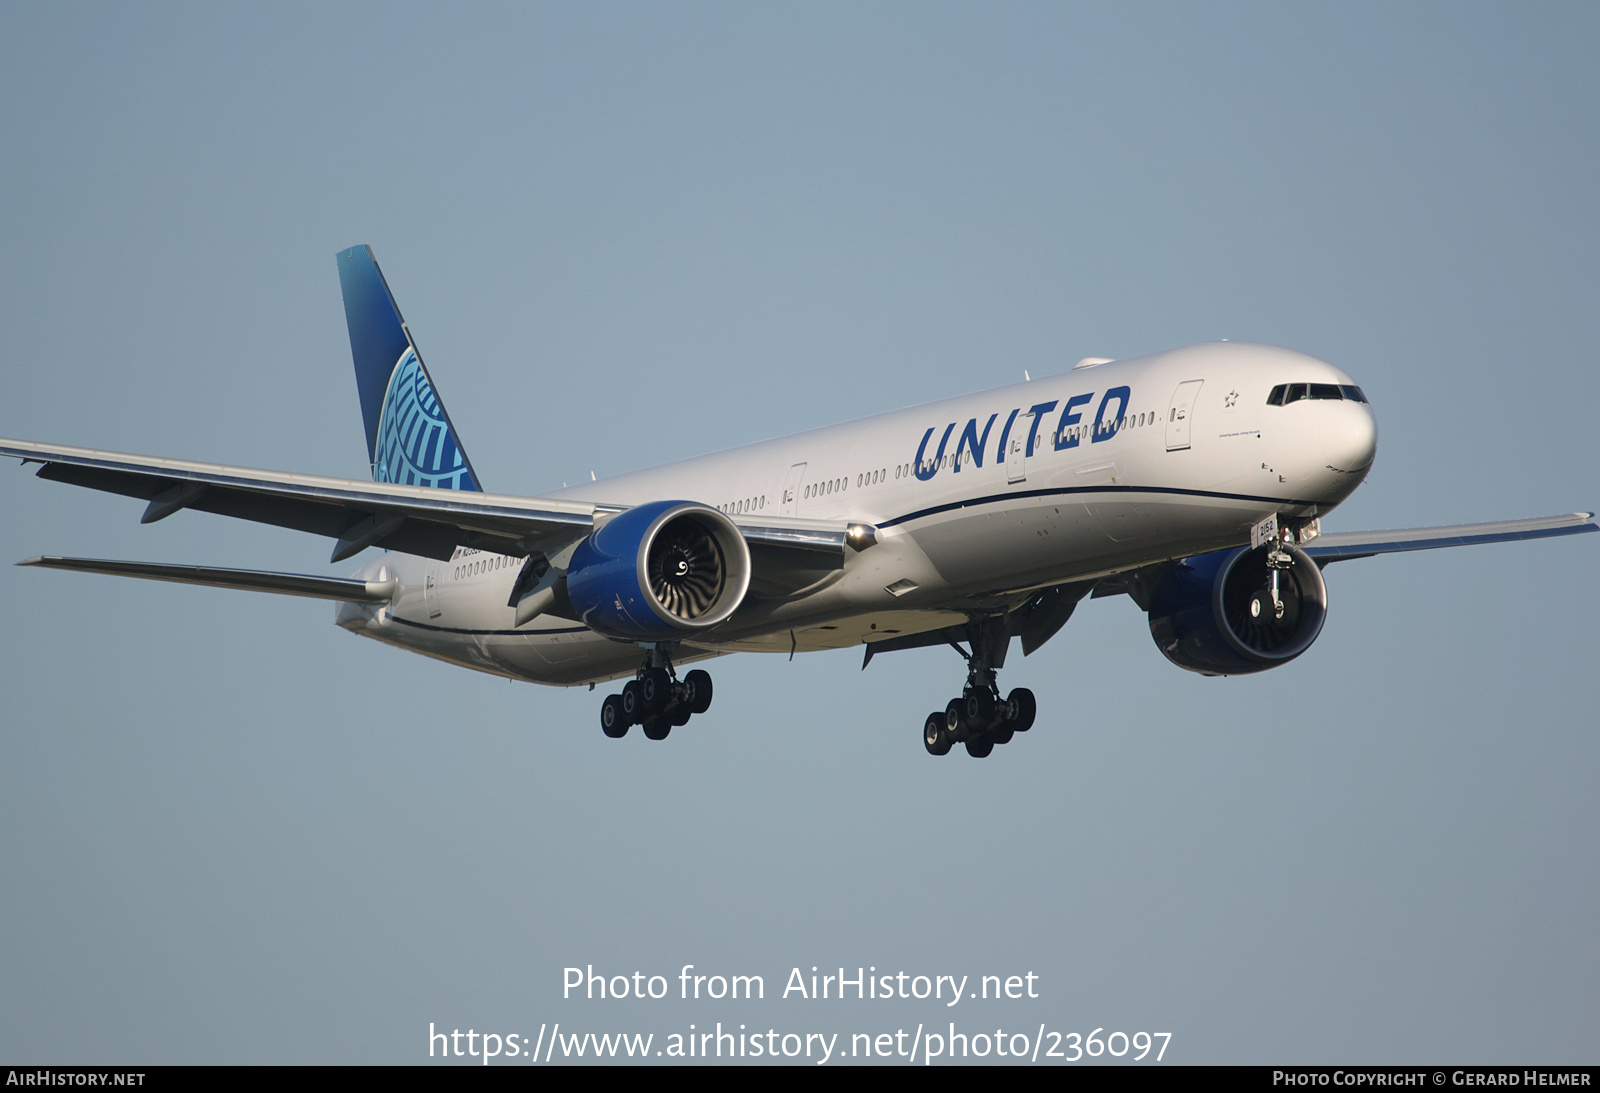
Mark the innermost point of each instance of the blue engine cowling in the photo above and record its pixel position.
(1206, 615)
(660, 571)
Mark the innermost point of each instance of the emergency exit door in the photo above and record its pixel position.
(430, 589)
(788, 504)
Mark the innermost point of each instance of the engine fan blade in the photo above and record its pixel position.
(687, 570)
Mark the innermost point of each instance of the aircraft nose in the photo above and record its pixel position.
(1350, 437)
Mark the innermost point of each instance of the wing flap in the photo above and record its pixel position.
(794, 533)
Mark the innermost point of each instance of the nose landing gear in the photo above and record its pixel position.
(980, 719)
(655, 699)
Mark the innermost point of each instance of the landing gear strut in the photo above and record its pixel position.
(1268, 603)
(980, 718)
(655, 698)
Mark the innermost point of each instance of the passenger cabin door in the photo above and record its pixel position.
(1179, 413)
(1017, 450)
(791, 490)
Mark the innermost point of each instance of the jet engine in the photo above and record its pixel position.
(1217, 613)
(660, 571)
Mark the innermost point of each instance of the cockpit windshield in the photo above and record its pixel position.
(1285, 393)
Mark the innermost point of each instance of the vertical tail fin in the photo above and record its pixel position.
(409, 436)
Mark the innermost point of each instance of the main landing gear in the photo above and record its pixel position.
(980, 718)
(656, 699)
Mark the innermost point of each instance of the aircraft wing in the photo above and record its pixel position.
(1340, 546)
(412, 519)
(250, 580)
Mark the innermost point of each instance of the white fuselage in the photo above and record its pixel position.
(976, 500)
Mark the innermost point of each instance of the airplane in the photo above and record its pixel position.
(1193, 481)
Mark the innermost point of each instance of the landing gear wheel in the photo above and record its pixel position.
(633, 708)
(1261, 606)
(697, 691)
(656, 728)
(980, 708)
(655, 689)
(613, 722)
(981, 719)
(1264, 610)
(956, 725)
(1020, 710)
(679, 715)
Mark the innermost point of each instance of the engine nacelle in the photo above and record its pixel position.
(1209, 615)
(659, 571)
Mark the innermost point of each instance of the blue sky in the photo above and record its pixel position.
(628, 233)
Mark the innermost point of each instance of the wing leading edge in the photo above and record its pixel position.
(1341, 546)
(250, 580)
(413, 519)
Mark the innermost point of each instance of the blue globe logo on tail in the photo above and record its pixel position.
(415, 445)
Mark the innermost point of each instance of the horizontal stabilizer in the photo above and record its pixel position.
(251, 580)
(1364, 544)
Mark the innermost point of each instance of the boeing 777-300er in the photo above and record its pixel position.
(1192, 480)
